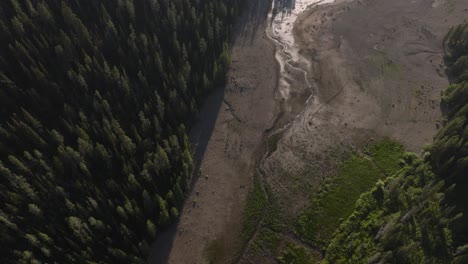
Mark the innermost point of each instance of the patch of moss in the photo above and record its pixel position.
(268, 241)
(336, 201)
(256, 201)
(295, 254)
(385, 66)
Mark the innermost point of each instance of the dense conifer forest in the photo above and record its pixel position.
(96, 100)
(420, 214)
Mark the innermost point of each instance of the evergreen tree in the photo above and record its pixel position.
(97, 98)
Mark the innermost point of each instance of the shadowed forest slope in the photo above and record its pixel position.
(96, 98)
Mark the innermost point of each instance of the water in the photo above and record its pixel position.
(282, 15)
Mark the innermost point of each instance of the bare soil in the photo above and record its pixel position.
(240, 114)
(375, 69)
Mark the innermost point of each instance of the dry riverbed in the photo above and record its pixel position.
(243, 110)
(354, 72)
(376, 71)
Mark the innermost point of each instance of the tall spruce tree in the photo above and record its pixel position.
(96, 97)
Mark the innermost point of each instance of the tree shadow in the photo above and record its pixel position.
(200, 135)
(252, 18)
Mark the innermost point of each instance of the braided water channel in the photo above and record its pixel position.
(280, 31)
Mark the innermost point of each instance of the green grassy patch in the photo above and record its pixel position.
(404, 214)
(387, 67)
(294, 254)
(335, 201)
(387, 155)
(274, 215)
(268, 241)
(256, 201)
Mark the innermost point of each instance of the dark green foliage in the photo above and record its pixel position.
(267, 241)
(400, 221)
(449, 153)
(336, 201)
(457, 57)
(294, 254)
(420, 214)
(96, 96)
(255, 203)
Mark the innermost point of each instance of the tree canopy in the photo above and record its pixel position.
(419, 215)
(97, 98)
